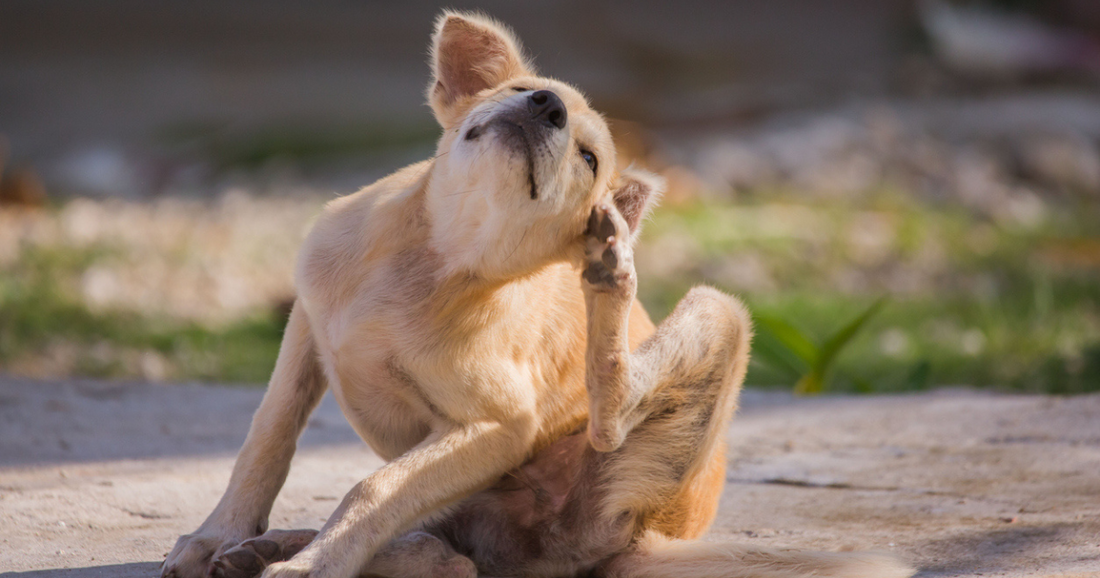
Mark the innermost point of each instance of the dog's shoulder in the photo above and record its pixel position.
(356, 232)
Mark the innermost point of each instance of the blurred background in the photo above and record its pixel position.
(906, 193)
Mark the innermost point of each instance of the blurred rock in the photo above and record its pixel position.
(744, 271)
(681, 185)
(636, 145)
(871, 237)
(211, 261)
(894, 342)
(738, 165)
(100, 171)
(985, 153)
(1064, 161)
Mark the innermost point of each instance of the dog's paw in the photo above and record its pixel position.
(191, 557)
(608, 255)
(251, 557)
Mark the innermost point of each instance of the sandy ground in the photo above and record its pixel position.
(98, 479)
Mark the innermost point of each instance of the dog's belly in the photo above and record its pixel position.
(541, 519)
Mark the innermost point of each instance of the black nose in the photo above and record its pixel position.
(547, 107)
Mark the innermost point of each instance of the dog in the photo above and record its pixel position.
(475, 317)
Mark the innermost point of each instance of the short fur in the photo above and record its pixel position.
(475, 317)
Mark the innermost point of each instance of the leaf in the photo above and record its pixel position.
(814, 382)
(791, 337)
(832, 347)
(810, 384)
(769, 351)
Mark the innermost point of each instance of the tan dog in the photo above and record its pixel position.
(472, 313)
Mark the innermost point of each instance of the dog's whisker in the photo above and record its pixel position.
(521, 238)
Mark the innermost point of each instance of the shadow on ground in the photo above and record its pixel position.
(85, 421)
(999, 550)
(131, 570)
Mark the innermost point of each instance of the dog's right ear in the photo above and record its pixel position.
(636, 193)
(469, 54)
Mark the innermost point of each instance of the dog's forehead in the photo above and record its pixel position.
(588, 125)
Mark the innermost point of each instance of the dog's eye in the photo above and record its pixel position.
(590, 159)
(520, 88)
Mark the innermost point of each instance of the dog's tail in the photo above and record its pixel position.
(656, 556)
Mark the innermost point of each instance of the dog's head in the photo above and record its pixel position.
(523, 158)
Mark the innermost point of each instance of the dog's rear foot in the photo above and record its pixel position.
(249, 558)
(607, 249)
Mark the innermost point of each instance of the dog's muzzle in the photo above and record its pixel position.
(537, 117)
(527, 127)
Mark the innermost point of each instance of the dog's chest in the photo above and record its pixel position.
(398, 374)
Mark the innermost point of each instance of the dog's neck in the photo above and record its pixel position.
(478, 239)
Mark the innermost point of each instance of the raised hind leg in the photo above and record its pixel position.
(686, 375)
(661, 412)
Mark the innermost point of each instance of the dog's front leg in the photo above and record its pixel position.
(263, 463)
(451, 463)
(610, 284)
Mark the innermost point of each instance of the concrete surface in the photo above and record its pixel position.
(97, 479)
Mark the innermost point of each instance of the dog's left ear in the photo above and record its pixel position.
(470, 53)
(636, 193)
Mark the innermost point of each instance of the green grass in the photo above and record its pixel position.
(40, 313)
(996, 305)
(958, 341)
(969, 299)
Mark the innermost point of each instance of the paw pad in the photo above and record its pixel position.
(607, 248)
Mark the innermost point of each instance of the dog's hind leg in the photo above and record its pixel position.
(419, 555)
(662, 412)
(663, 409)
(696, 357)
(250, 557)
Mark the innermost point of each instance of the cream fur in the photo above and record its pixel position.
(442, 305)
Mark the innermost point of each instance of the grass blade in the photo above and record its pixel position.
(790, 336)
(814, 382)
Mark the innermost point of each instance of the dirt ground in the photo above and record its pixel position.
(98, 479)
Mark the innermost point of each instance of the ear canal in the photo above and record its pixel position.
(637, 193)
(469, 54)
